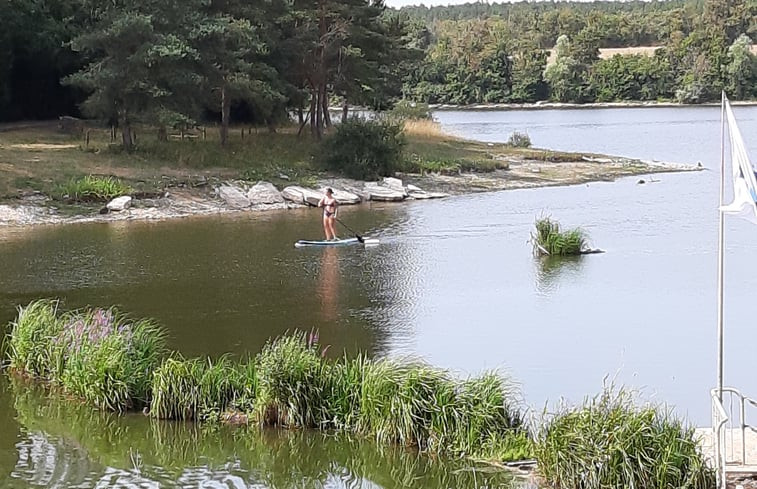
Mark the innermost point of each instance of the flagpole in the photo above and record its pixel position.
(720, 248)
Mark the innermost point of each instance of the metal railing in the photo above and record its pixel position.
(726, 426)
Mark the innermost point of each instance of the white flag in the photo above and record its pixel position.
(744, 183)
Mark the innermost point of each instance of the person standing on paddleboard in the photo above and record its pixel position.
(329, 204)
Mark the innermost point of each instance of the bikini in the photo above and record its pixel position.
(326, 212)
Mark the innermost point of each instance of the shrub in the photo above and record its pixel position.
(519, 140)
(92, 189)
(364, 149)
(550, 240)
(609, 442)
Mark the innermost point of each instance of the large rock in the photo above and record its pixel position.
(383, 194)
(342, 196)
(264, 193)
(233, 196)
(422, 195)
(393, 184)
(119, 203)
(301, 195)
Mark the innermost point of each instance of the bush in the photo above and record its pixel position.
(92, 189)
(364, 149)
(609, 442)
(519, 140)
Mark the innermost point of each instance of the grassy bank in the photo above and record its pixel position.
(116, 363)
(42, 159)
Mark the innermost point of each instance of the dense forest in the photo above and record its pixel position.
(170, 63)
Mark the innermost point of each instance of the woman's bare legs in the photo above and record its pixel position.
(331, 226)
(327, 227)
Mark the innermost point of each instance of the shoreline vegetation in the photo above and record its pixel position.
(113, 362)
(53, 174)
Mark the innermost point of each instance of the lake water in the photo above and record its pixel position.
(453, 283)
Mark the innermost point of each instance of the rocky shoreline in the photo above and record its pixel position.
(240, 196)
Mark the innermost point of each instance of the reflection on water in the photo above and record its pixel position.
(66, 445)
(328, 284)
(552, 270)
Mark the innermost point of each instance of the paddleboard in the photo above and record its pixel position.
(340, 242)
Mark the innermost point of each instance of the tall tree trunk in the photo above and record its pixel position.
(225, 115)
(345, 112)
(325, 104)
(126, 137)
(304, 122)
(300, 116)
(314, 111)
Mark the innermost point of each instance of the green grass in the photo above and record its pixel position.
(100, 356)
(549, 239)
(31, 346)
(290, 382)
(611, 442)
(198, 389)
(92, 189)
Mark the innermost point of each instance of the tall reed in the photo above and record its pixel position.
(98, 355)
(198, 389)
(549, 239)
(31, 344)
(290, 382)
(611, 442)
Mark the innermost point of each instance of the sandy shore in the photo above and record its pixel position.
(36, 209)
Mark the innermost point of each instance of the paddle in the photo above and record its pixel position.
(359, 238)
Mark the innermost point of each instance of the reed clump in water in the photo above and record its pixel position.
(197, 389)
(98, 355)
(549, 239)
(117, 364)
(611, 442)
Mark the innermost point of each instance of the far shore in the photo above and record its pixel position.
(593, 105)
(185, 201)
(265, 172)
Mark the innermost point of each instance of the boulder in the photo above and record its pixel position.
(342, 196)
(119, 203)
(412, 188)
(233, 196)
(264, 193)
(301, 195)
(393, 184)
(422, 195)
(383, 194)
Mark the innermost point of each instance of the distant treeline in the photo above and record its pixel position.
(175, 63)
(481, 52)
